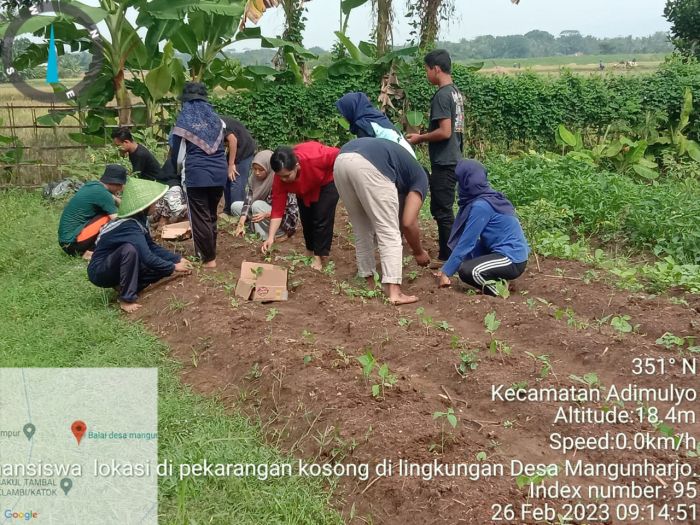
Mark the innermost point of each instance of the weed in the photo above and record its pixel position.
(508, 423)
(329, 269)
(308, 359)
(412, 275)
(403, 322)
(531, 303)
(520, 385)
(177, 305)
(481, 456)
(271, 314)
(254, 373)
(678, 300)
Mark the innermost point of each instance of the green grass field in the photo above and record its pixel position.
(580, 64)
(51, 316)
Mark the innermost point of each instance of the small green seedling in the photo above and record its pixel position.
(467, 361)
(445, 417)
(271, 314)
(621, 324)
(403, 322)
(543, 361)
(491, 323)
(481, 456)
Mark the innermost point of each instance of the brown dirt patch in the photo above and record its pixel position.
(300, 376)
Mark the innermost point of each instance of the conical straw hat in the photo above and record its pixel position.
(138, 195)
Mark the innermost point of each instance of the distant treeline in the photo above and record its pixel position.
(544, 44)
(530, 45)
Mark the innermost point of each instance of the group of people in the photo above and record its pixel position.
(376, 175)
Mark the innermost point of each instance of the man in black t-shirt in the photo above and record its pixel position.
(444, 138)
(172, 207)
(241, 150)
(143, 164)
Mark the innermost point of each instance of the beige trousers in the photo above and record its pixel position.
(372, 202)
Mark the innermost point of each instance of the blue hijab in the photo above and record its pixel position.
(360, 113)
(199, 124)
(472, 184)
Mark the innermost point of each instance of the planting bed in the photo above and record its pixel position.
(298, 372)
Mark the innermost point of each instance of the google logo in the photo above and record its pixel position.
(26, 516)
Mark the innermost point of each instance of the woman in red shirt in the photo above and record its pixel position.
(306, 170)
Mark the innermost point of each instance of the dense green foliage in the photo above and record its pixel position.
(503, 111)
(684, 16)
(614, 208)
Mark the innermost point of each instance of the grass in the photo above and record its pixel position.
(53, 317)
(581, 64)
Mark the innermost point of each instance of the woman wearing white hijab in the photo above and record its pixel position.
(258, 203)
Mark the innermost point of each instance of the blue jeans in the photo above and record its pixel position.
(236, 190)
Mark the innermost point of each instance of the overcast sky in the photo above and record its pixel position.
(483, 17)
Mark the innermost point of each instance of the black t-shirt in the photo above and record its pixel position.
(246, 143)
(144, 164)
(393, 161)
(447, 103)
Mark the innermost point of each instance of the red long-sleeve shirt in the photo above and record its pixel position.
(316, 170)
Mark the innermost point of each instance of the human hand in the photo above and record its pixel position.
(413, 138)
(240, 230)
(267, 245)
(422, 259)
(258, 217)
(443, 280)
(184, 266)
(232, 173)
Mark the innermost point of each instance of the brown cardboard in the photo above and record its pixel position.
(270, 284)
(175, 231)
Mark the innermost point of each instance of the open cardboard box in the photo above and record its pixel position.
(179, 230)
(262, 282)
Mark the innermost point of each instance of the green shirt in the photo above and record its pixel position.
(91, 200)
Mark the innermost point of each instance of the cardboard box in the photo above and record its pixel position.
(262, 282)
(176, 231)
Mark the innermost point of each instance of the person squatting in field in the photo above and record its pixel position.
(125, 255)
(257, 205)
(487, 241)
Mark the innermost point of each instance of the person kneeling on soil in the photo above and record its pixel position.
(258, 203)
(487, 241)
(374, 176)
(307, 171)
(125, 255)
(93, 206)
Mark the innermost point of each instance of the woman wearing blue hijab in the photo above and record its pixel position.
(487, 241)
(367, 121)
(197, 143)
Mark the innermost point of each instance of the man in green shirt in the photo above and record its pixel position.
(93, 206)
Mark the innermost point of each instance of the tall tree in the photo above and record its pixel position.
(684, 16)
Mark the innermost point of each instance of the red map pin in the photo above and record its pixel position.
(78, 428)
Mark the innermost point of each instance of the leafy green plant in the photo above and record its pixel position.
(271, 314)
(621, 323)
(385, 378)
(468, 361)
(543, 362)
(501, 287)
(448, 417)
(670, 341)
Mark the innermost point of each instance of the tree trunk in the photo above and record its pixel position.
(385, 18)
(430, 22)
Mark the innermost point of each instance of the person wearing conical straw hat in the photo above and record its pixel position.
(125, 255)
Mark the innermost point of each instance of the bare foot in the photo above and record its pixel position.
(370, 281)
(396, 296)
(210, 264)
(317, 264)
(129, 308)
(87, 255)
(402, 298)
